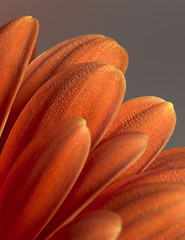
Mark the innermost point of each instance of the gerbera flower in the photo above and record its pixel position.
(76, 163)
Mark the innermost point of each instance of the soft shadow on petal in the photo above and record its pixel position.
(101, 224)
(33, 56)
(123, 185)
(87, 48)
(176, 232)
(150, 115)
(17, 39)
(149, 210)
(76, 92)
(153, 176)
(171, 158)
(103, 165)
(41, 178)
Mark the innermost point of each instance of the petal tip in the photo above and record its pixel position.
(170, 105)
(171, 110)
(31, 21)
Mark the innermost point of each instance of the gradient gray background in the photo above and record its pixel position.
(152, 31)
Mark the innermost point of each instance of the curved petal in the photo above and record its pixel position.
(123, 185)
(88, 48)
(149, 210)
(153, 176)
(17, 39)
(171, 158)
(103, 165)
(41, 178)
(177, 231)
(150, 115)
(76, 92)
(100, 224)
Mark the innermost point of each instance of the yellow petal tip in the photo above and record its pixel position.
(170, 105)
(30, 19)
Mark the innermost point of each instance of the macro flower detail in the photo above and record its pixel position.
(17, 40)
(76, 162)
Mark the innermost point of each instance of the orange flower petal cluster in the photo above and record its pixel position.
(76, 163)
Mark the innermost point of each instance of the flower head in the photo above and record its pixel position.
(76, 162)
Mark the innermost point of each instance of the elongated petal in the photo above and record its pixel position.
(88, 48)
(172, 158)
(177, 231)
(150, 115)
(148, 210)
(153, 176)
(123, 185)
(25, 92)
(77, 92)
(17, 39)
(100, 224)
(41, 178)
(104, 164)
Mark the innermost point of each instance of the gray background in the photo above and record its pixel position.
(152, 31)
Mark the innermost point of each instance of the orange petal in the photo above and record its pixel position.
(34, 53)
(172, 158)
(41, 178)
(150, 115)
(77, 91)
(177, 231)
(104, 164)
(100, 224)
(122, 185)
(148, 210)
(88, 48)
(169, 159)
(17, 39)
(156, 176)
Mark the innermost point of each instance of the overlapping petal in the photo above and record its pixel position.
(177, 231)
(69, 154)
(123, 185)
(77, 91)
(41, 178)
(103, 165)
(148, 210)
(171, 158)
(100, 224)
(88, 48)
(17, 39)
(150, 115)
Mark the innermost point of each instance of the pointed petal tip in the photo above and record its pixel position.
(78, 122)
(118, 72)
(89, 226)
(28, 19)
(170, 106)
(32, 19)
(144, 136)
(170, 110)
(140, 139)
(81, 121)
(144, 139)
